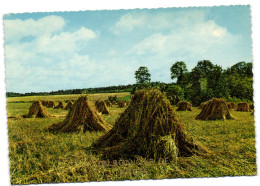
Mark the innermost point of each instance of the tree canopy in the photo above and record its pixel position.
(142, 75)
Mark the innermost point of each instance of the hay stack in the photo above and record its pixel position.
(37, 111)
(69, 105)
(60, 105)
(101, 107)
(252, 106)
(215, 109)
(201, 105)
(108, 103)
(231, 105)
(82, 117)
(121, 104)
(114, 102)
(243, 107)
(149, 127)
(51, 104)
(45, 102)
(184, 106)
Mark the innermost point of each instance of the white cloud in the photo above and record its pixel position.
(188, 40)
(14, 30)
(202, 40)
(52, 56)
(156, 20)
(128, 22)
(57, 59)
(65, 42)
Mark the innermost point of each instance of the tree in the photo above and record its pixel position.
(217, 83)
(177, 70)
(204, 67)
(241, 68)
(199, 91)
(142, 75)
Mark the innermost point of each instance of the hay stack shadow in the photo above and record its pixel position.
(101, 107)
(149, 127)
(184, 106)
(81, 118)
(243, 107)
(214, 109)
(37, 111)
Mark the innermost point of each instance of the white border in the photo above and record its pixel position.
(21, 6)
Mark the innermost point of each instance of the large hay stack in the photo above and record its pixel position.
(121, 104)
(214, 109)
(81, 118)
(243, 107)
(231, 105)
(51, 104)
(37, 111)
(149, 127)
(60, 106)
(201, 105)
(69, 105)
(101, 107)
(184, 106)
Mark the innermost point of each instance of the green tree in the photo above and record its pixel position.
(217, 83)
(203, 68)
(174, 93)
(177, 70)
(199, 91)
(240, 87)
(241, 68)
(142, 75)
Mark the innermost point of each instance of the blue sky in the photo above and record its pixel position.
(67, 50)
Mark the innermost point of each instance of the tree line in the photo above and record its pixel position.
(204, 82)
(108, 89)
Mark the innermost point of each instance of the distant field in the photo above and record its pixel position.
(65, 97)
(37, 156)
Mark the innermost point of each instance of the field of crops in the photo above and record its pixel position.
(38, 156)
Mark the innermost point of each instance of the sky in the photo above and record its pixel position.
(68, 50)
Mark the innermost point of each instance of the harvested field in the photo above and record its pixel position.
(39, 156)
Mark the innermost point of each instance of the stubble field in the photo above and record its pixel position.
(38, 156)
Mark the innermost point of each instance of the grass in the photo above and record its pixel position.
(125, 98)
(37, 156)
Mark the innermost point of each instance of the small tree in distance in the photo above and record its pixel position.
(143, 78)
(177, 69)
(142, 75)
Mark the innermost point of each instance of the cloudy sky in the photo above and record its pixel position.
(67, 50)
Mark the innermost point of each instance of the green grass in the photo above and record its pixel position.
(125, 98)
(37, 156)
